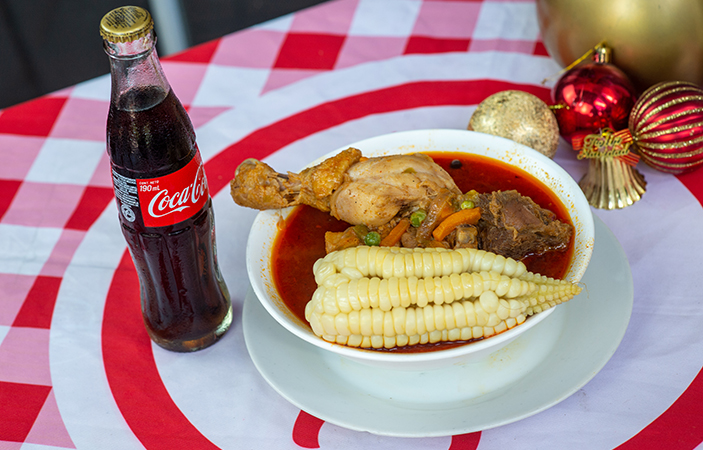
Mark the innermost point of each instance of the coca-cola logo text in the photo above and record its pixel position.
(164, 203)
(175, 197)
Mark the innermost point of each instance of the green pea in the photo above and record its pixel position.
(467, 204)
(417, 217)
(372, 238)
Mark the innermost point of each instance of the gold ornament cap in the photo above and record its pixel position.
(126, 24)
(602, 54)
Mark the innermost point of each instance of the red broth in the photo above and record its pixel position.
(302, 241)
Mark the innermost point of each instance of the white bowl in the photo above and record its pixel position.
(264, 230)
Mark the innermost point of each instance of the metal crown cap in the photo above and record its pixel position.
(125, 24)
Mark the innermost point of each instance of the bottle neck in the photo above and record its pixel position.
(135, 65)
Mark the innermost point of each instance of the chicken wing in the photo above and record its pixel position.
(256, 185)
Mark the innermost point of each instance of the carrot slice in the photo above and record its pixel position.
(396, 233)
(463, 217)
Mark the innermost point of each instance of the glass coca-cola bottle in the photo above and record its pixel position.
(165, 210)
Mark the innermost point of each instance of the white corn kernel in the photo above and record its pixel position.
(438, 313)
(489, 301)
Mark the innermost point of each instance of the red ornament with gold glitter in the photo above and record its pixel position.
(592, 97)
(666, 125)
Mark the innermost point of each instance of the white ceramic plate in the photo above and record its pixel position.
(539, 369)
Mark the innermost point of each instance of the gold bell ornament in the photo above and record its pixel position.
(611, 181)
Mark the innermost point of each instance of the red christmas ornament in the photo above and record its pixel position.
(593, 97)
(667, 126)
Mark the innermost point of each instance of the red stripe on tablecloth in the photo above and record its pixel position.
(540, 49)
(306, 430)
(265, 141)
(694, 183)
(20, 405)
(199, 54)
(38, 307)
(8, 189)
(132, 373)
(316, 51)
(91, 205)
(33, 118)
(422, 44)
(679, 427)
(467, 441)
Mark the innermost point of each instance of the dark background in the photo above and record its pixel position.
(46, 45)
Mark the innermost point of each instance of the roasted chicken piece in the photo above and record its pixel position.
(369, 192)
(256, 185)
(377, 189)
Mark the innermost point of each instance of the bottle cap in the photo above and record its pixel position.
(126, 24)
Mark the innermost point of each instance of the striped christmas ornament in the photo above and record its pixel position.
(666, 124)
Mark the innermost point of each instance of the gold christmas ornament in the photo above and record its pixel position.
(519, 116)
(611, 181)
(653, 41)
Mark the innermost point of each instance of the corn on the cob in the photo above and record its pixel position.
(375, 297)
(386, 262)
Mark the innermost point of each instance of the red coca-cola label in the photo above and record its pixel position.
(175, 197)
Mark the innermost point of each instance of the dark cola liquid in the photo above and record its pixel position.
(184, 299)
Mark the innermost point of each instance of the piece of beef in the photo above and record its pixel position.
(409, 238)
(515, 226)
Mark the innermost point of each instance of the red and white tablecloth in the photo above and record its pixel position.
(77, 369)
